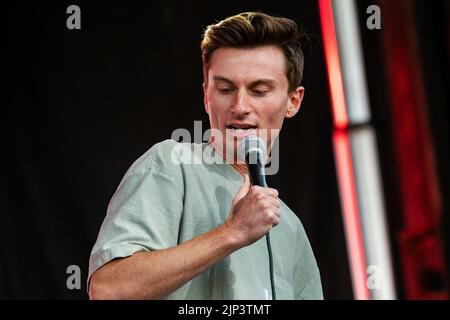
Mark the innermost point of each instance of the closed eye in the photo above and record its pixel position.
(226, 90)
(260, 92)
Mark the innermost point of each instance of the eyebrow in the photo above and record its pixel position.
(266, 81)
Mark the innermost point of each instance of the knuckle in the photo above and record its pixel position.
(275, 220)
(277, 203)
(259, 195)
(275, 191)
(266, 204)
(255, 190)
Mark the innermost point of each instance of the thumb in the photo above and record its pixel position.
(243, 190)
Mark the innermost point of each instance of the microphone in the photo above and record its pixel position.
(252, 150)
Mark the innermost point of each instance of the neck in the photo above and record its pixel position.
(239, 167)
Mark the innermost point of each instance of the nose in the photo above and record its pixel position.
(240, 104)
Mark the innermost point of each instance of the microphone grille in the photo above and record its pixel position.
(251, 144)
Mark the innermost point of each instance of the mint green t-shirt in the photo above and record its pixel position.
(176, 191)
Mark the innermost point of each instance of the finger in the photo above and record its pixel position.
(266, 191)
(275, 220)
(274, 201)
(243, 190)
(270, 191)
(277, 211)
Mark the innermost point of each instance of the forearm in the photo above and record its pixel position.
(155, 274)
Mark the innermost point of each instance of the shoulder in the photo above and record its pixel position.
(290, 220)
(167, 158)
(162, 156)
(291, 229)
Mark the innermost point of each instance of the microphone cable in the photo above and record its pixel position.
(272, 280)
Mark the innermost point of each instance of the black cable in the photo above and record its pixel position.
(254, 154)
(272, 280)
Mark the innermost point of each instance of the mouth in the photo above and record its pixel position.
(240, 129)
(237, 132)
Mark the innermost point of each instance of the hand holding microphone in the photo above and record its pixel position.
(255, 209)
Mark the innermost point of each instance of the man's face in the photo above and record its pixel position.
(247, 91)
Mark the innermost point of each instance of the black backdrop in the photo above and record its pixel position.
(82, 105)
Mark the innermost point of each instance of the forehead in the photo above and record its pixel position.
(242, 64)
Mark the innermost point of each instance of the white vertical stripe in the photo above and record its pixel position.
(352, 62)
(373, 221)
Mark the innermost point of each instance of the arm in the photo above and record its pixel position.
(155, 274)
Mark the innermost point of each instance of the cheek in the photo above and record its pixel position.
(273, 113)
(216, 100)
(221, 101)
(219, 105)
(217, 108)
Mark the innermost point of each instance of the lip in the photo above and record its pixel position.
(240, 125)
(239, 134)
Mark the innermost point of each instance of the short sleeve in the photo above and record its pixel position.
(143, 215)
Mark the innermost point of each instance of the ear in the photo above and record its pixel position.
(295, 101)
(205, 97)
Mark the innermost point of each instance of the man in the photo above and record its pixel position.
(179, 230)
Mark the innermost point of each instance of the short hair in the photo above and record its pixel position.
(256, 29)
